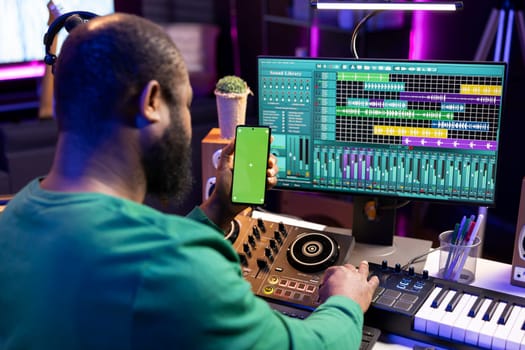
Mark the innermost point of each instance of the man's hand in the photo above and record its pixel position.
(218, 207)
(351, 282)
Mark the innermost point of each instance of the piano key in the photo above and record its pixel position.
(462, 322)
(487, 316)
(503, 318)
(454, 302)
(472, 333)
(421, 317)
(516, 338)
(434, 321)
(436, 302)
(488, 330)
(503, 330)
(452, 315)
(475, 308)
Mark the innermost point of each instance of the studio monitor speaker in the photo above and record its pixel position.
(518, 259)
(211, 145)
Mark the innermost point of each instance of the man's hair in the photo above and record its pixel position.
(104, 66)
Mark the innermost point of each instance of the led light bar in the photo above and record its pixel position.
(33, 69)
(386, 5)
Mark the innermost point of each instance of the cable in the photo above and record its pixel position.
(393, 207)
(356, 31)
(416, 259)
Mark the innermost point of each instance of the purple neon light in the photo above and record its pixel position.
(33, 69)
(314, 39)
(418, 49)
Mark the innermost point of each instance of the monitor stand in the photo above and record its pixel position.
(374, 227)
(374, 220)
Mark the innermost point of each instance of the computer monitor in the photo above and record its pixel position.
(384, 131)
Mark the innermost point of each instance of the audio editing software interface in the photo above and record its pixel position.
(413, 129)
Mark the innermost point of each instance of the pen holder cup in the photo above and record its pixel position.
(457, 261)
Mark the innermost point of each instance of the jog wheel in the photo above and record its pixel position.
(233, 232)
(312, 252)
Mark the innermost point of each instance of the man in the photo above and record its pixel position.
(84, 265)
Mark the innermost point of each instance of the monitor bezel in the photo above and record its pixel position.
(452, 201)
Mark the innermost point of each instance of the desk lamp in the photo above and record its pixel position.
(386, 5)
(376, 6)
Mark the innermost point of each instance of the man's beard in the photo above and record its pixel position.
(167, 165)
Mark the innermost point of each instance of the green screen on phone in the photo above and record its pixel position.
(250, 164)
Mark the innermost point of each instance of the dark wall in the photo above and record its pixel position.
(217, 12)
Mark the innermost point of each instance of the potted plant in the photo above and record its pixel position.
(231, 94)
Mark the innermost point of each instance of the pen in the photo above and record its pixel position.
(471, 240)
(452, 237)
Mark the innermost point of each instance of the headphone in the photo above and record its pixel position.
(69, 21)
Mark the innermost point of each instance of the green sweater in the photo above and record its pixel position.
(90, 271)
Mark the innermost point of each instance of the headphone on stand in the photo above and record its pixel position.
(69, 21)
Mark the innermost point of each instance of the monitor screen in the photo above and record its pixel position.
(23, 24)
(423, 130)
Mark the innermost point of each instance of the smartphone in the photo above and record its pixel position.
(250, 161)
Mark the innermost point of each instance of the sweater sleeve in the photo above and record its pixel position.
(198, 215)
(336, 324)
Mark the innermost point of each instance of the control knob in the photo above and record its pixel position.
(260, 224)
(397, 267)
(282, 229)
(256, 232)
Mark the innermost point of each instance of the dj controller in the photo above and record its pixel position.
(285, 263)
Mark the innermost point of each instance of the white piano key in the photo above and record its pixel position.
(503, 330)
(487, 331)
(472, 333)
(516, 340)
(434, 321)
(425, 312)
(451, 317)
(462, 322)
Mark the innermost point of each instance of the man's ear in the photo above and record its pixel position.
(150, 102)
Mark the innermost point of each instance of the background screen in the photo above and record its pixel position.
(23, 24)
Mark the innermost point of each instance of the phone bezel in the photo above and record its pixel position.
(234, 161)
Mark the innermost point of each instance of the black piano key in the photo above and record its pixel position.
(439, 298)
(454, 302)
(505, 314)
(487, 316)
(475, 307)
